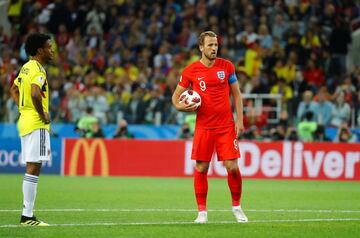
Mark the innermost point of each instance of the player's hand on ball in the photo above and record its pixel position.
(191, 107)
(189, 101)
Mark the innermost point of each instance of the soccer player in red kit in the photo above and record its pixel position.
(215, 80)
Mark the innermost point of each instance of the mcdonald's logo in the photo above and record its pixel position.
(89, 151)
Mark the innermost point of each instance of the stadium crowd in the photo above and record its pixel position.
(123, 59)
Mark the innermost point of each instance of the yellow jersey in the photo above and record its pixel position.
(31, 73)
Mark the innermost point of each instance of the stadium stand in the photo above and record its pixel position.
(124, 58)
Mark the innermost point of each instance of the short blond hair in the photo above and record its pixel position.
(308, 93)
(205, 34)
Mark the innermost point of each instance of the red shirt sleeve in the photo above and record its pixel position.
(185, 79)
(230, 68)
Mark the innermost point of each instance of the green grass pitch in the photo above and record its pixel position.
(165, 207)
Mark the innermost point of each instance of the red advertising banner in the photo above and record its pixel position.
(123, 157)
(279, 160)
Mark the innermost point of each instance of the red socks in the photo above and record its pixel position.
(235, 185)
(201, 189)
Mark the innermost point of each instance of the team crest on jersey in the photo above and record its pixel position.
(41, 80)
(221, 75)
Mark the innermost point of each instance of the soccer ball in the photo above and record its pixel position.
(190, 96)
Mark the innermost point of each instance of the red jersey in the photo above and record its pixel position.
(212, 84)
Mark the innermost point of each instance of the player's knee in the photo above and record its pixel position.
(231, 167)
(202, 167)
(33, 168)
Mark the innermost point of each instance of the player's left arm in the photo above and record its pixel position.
(14, 92)
(238, 104)
(37, 82)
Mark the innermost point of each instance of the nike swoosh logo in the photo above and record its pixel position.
(201, 78)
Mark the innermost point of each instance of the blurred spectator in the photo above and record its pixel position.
(97, 131)
(307, 127)
(76, 104)
(299, 86)
(125, 47)
(279, 68)
(12, 110)
(95, 19)
(358, 109)
(88, 126)
(253, 58)
(310, 40)
(348, 89)
(254, 119)
(93, 40)
(291, 134)
(258, 86)
(279, 27)
(323, 108)
(135, 110)
(247, 36)
(252, 133)
(75, 47)
(338, 45)
(122, 131)
(97, 100)
(264, 37)
(156, 106)
(44, 16)
(284, 118)
(4, 39)
(277, 133)
(313, 75)
(3, 98)
(62, 37)
(344, 134)
(341, 111)
(14, 11)
(163, 60)
(184, 132)
(292, 37)
(289, 69)
(307, 105)
(320, 135)
(190, 120)
(283, 89)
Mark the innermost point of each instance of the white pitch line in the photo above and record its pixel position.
(180, 210)
(186, 222)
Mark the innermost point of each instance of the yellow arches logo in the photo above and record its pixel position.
(89, 152)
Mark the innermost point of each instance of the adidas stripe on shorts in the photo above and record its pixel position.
(35, 147)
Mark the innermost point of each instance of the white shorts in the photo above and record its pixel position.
(35, 147)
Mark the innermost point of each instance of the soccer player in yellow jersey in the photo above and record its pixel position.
(31, 93)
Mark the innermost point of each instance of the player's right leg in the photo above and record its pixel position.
(201, 190)
(203, 148)
(30, 182)
(35, 149)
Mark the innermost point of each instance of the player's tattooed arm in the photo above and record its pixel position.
(14, 91)
(37, 101)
